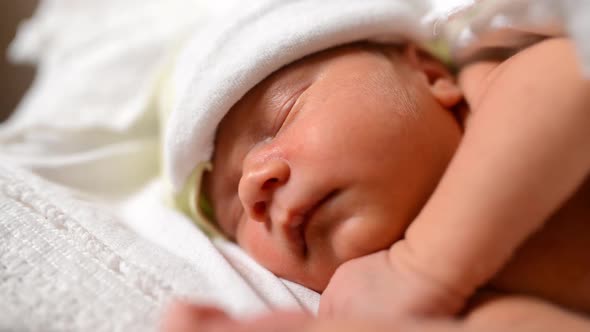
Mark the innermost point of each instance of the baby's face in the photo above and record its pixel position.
(327, 160)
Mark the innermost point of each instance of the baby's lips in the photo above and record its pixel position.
(295, 227)
(294, 233)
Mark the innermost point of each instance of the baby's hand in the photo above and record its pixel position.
(387, 286)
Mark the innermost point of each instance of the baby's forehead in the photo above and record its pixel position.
(302, 69)
(298, 73)
(259, 106)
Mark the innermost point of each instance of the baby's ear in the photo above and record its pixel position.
(435, 74)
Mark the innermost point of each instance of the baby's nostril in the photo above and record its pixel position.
(260, 208)
(268, 184)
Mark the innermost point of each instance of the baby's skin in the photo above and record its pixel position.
(321, 168)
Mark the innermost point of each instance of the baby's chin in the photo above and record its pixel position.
(317, 275)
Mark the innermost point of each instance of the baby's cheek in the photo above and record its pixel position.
(258, 244)
(362, 236)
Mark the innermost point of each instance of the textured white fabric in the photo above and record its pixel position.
(516, 23)
(145, 213)
(229, 56)
(68, 264)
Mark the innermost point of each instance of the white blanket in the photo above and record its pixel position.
(68, 263)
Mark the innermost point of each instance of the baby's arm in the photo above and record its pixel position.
(525, 150)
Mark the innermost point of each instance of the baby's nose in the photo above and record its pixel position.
(258, 184)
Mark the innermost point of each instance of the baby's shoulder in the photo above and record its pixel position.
(531, 72)
(548, 54)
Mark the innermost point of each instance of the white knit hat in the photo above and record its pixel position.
(235, 51)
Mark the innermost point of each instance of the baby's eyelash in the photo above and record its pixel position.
(285, 110)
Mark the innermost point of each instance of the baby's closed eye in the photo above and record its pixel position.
(288, 109)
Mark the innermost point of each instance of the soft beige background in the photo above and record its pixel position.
(14, 80)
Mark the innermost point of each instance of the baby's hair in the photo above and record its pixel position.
(392, 52)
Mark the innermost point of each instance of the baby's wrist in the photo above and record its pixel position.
(443, 293)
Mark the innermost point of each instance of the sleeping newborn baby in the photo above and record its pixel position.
(360, 171)
(332, 157)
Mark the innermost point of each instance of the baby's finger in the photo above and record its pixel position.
(186, 317)
(272, 322)
(279, 321)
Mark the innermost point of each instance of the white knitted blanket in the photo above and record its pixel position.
(58, 253)
(69, 264)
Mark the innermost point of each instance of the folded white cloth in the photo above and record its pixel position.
(89, 119)
(99, 62)
(236, 51)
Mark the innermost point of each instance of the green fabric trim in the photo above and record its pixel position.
(189, 200)
(196, 206)
(441, 49)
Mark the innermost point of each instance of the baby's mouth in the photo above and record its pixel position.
(296, 226)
